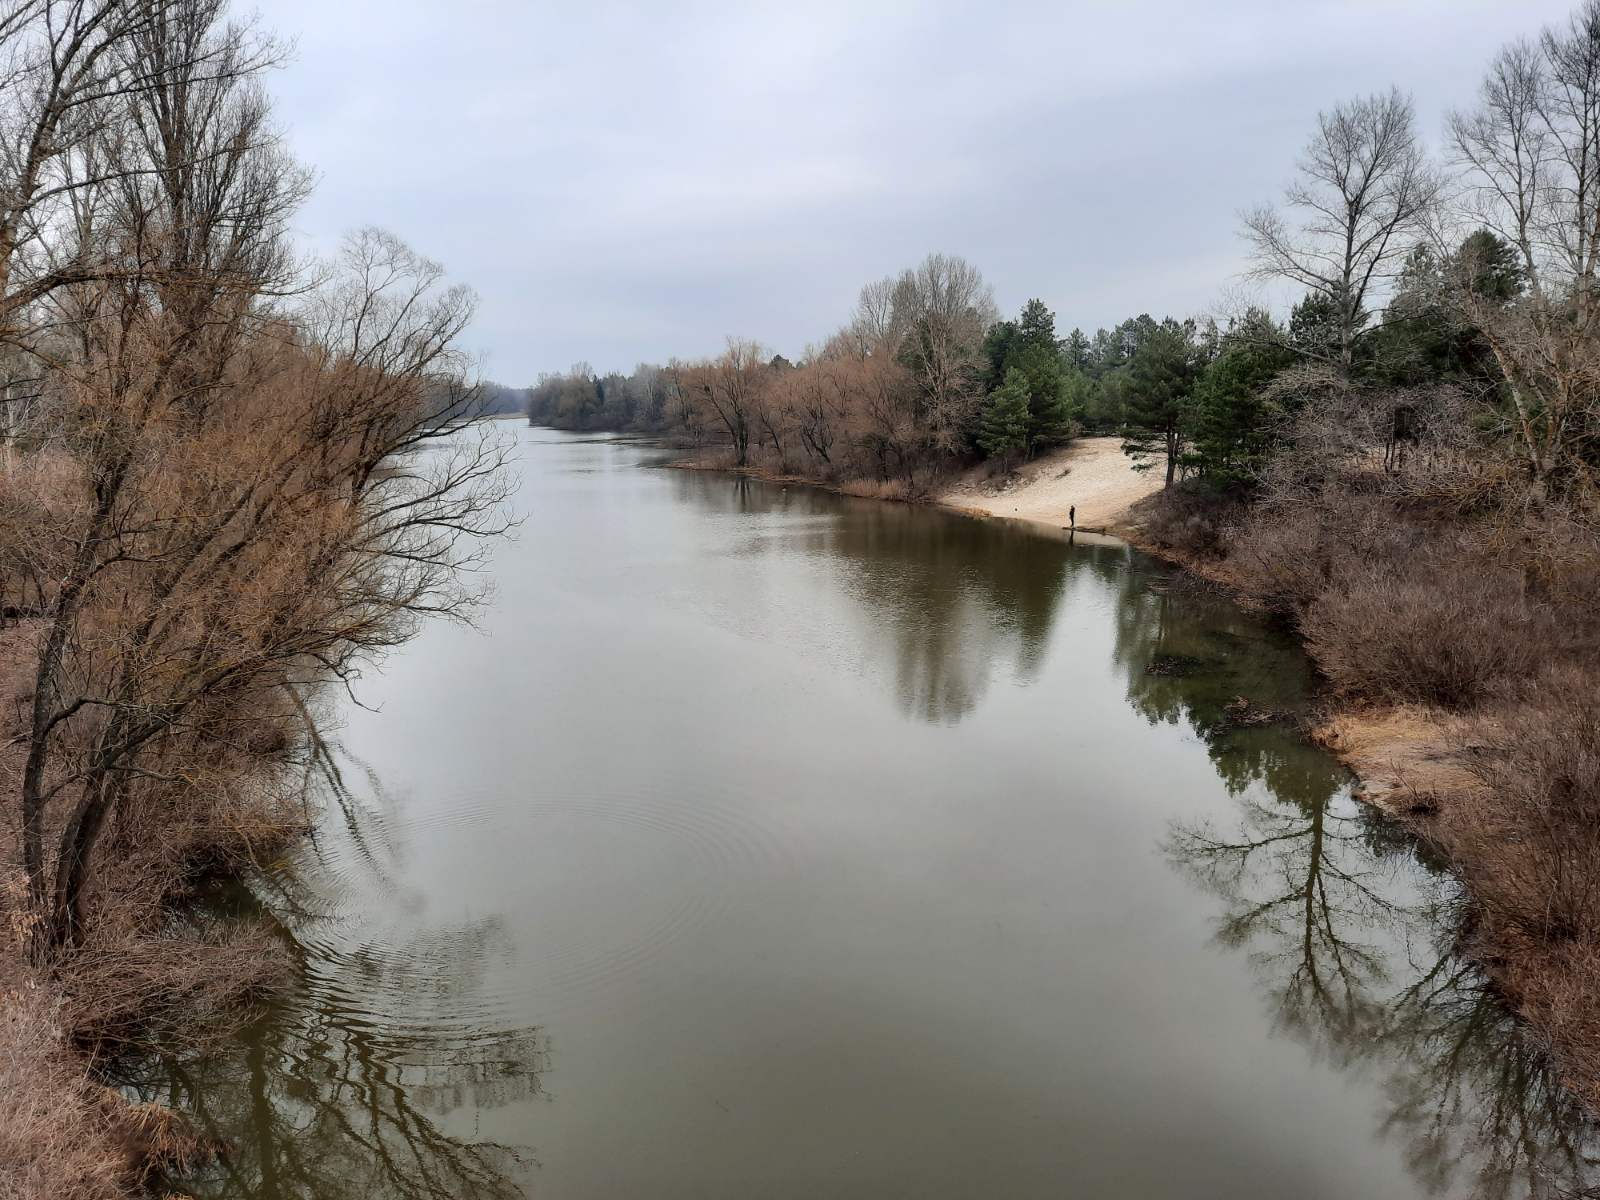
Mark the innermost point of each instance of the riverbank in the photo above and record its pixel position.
(1397, 612)
(140, 982)
(1091, 475)
(619, 813)
(61, 1133)
(1402, 755)
(1457, 651)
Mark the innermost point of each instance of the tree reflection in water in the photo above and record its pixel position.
(945, 600)
(357, 1084)
(345, 1087)
(1350, 927)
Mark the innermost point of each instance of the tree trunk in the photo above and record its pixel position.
(78, 839)
(45, 683)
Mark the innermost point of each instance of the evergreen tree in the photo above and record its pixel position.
(1160, 383)
(1037, 325)
(1075, 351)
(1079, 395)
(1314, 326)
(998, 345)
(1027, 346)
(1003, 430)
(1423, 337)
(1048, 420)
(1491, 266)
(1109, 404)
(1105, 353)
(1234, 425)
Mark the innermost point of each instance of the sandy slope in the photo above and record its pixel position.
(1092, 474)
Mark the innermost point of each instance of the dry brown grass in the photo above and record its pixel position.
(55, 1138)
(63, 1135)
(880, 489)
(1403, 755)
(141, 978)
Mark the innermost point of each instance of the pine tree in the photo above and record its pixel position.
(1075, 351)
(1037, 325)
(1160, 380)
(1048, 418)
(1234, 424)
(1003, 431)
(1028, 345)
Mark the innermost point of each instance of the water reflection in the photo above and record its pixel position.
(789, 964)
(318, 1105)
(947, 602)
(1349, 926)
(347, 1086)
(1365, 972)
(955, 599)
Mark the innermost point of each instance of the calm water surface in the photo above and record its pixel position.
(766, 843)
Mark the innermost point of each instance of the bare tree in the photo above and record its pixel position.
(883, 417)
(1530, 153)
(248, 497)
(821, 404)
(874, 326)
(72, 72)
(944, 308)
(1363, 195)
(731, 386)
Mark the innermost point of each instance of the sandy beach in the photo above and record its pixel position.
(1092, 474)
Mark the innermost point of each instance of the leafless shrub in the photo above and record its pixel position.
(1526, 843)
(1191, 524)
(1531, 834)
(1413, 444)
(1431, 630)
(128, 991)
(1289, 554)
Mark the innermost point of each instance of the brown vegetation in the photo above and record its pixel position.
(228, 479)
(1436, 540)
(886, 406)
(1455, 625)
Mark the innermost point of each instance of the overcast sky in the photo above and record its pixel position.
(625, 182)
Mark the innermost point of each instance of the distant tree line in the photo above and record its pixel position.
(498, 399)
(926, 376)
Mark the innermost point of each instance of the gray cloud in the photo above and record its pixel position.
(629, 181)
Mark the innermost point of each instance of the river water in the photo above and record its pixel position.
(760, 842)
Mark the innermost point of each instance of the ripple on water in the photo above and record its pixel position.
(485, 913)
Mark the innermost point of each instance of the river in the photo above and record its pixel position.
(762, 842)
